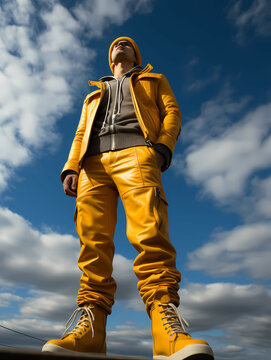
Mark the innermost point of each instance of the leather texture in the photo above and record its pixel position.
(133, 174)
(156, 109)
(177, 346)
(85, 339)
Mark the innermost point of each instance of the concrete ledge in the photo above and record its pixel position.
(14, 354)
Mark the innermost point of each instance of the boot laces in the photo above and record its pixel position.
(175, 321)
(85, 320)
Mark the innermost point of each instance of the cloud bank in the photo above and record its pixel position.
(243, 251)
(228, 154)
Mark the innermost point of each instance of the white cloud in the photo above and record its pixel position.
(220, 305)
(5, 174)
(216, 115)
(48, 261)
(38, 328)
(223, 158)
(128, 339)
(194, 61)
(257, 17)
(35, 75)
(235, 352)
(45, 59)
(135, 303)
(99, 14)
(19, 10)
(126, 281)
(7, 298)
(261, 198)
(199, 84)
(256, 204)
(243, 250)
(52, 306)
(241, 312)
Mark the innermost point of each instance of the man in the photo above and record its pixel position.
(125, 138)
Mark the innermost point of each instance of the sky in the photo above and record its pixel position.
(216, 56)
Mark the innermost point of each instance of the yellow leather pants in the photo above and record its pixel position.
(133, 174)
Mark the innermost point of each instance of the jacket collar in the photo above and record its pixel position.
(99, 83)
(147, 69)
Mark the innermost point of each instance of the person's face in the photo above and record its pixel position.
(123, 51)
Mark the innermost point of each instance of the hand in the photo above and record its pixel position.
(70, 185)
(160, 159)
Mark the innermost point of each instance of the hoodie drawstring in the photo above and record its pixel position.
(108, 103)
(117, 102)
(117, 105)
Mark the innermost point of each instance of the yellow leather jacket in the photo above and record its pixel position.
(155, 106)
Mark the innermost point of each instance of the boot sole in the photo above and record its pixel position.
(59, 349)
(190, 352)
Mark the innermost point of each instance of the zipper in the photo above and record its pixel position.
(116, 110)
(112, 130)
(149, 143)
(137, 112)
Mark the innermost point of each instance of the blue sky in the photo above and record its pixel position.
(216, 56)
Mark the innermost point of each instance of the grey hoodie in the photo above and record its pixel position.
(115, 126)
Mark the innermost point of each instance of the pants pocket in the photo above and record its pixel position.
(159, 197)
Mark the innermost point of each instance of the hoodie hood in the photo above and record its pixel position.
(110, 77)
(136, 49)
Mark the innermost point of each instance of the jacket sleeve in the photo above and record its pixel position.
(171, 115)
(73, 160)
